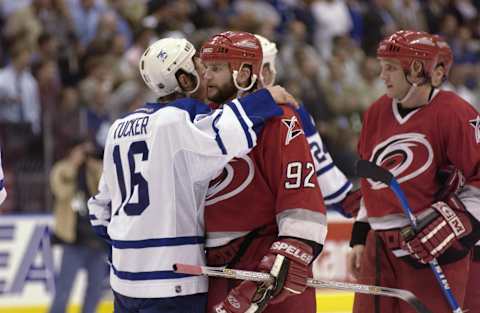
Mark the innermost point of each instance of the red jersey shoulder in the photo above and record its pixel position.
(448, 102)
(451, 108)
(287, 126)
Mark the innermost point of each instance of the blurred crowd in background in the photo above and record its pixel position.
(68, 68)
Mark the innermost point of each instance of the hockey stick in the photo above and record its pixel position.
(402, 294)
(367, 169)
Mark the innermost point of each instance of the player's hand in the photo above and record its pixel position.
(248, 296)
(354, 260)
(292, 259)
(439, 229)
(280, 95)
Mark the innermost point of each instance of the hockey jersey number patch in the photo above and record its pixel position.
(295, 177)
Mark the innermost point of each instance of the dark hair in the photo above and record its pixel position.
(44, 38)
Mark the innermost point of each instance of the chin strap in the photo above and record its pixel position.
(235, 74)
(411, 90)
(197, 78)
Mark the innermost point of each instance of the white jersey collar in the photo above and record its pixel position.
(404, 119)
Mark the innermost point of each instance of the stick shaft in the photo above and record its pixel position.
(404, 295)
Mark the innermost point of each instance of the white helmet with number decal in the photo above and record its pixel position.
(161, 61)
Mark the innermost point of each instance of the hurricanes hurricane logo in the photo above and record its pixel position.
(231, 181)
(475, 123)
(294, 129)
(405, 155)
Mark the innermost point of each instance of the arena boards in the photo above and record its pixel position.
(334, 302)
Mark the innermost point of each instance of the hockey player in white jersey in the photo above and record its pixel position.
(333, 183)
(158, 161)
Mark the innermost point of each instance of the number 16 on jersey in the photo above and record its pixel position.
(137, 181)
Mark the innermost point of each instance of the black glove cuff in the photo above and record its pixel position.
(359, 233)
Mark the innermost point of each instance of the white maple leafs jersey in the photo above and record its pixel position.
(333, 183)
(157, 165)
(3, 192)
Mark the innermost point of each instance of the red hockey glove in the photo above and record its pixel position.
(439, 227)
(289, 262)
(247, 297)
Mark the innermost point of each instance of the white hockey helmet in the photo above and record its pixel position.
(161, 61)
(270, 51)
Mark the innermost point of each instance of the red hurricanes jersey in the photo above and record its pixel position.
(414, 147)
(274, 184)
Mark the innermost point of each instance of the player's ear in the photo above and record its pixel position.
(416, 68)
(244, 75)
(437, 76)
(186, 82)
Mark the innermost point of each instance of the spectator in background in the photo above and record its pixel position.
(98, 118)
(142, 40)
(457, 82)
(377, 22)
(73, 181)
(86, 15)
(69, 121)
(26, 22)
(409, 15)
(19, 98)
(47, 48)
(332, 19)
(370, 86)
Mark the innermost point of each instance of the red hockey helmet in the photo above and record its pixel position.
(407, 46)
(236, 48)
(445, 56)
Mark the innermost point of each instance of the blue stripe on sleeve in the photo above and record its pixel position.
(242, 123)
(325, 169)
(1, 184)
(307, 121)
(218, 139)
(158, 242)
(259, 106)
(192, 106)
(344, 188)
(148, 275)
(323, 158)
(92, 217)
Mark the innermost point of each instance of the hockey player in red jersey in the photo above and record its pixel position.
(265, 208)
(414, 130)
(472, 297)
